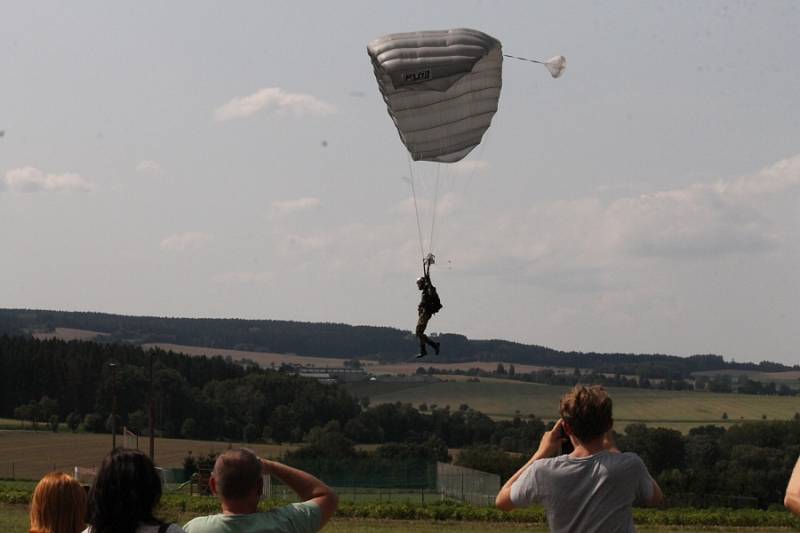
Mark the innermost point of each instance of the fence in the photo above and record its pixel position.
(701, 501)
(375, 494)
(467, 485)
(371, 473)
(21, 469)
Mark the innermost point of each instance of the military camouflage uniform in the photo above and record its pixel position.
(423, 309)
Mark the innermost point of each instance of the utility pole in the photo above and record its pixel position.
(152, 411)
(113, 365)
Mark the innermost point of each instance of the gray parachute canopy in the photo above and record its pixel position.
(441, 88)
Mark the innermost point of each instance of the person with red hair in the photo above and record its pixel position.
(58, 505)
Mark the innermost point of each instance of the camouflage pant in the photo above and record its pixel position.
(422, 323)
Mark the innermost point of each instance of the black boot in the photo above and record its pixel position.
(422, 351)
(435, 347)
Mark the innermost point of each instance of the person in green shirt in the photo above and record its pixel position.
(237, 481)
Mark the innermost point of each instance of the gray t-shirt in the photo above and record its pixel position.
(586, 494)
(294, 518)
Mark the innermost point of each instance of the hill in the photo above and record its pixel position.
(330, 340)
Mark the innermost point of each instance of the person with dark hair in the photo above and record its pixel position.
(124, 496)
(237, 479)
(58, 505)
(591, 489)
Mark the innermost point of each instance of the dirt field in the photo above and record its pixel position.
(31, 454)
(262, 358)
(68, 334)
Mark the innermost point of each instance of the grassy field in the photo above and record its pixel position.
(790, 378)
(502, 398)
(10, 423)
(431, 516)
(411, 368)
(14, 519)
(31, 454)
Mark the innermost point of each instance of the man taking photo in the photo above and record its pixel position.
(592, 489)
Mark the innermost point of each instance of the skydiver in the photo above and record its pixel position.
(428, 306)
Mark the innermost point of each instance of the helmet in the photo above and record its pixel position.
(420, 282)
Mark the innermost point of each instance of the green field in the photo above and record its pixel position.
(10, 423)
(790, 378)
(432, 516)
(503, 398)
(14, 519)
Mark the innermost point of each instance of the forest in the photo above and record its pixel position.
(47, 382)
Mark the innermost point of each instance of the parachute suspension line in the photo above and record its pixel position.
(525, 59)
(479, 157)
(435, 205)
(416, 208)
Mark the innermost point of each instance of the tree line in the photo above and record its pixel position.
(345, 341)
(52, 381)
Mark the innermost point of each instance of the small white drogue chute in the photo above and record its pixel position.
(555, 65)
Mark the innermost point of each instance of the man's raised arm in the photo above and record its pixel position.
(549, 446)
(306, 486)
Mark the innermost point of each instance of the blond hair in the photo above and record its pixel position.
(58, 505)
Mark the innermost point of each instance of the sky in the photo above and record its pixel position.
(235, 159)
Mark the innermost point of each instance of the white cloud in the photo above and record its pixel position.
(576, 246)
(31, 180)
(246, 278)
(181, 242)
(447, 204)
(306, 243)
(466, 167)
(286, 207)
(692, 222)
(148, 167)
(275, 99)
(697, 221)
(780, 177)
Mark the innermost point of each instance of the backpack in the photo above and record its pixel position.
(434, 303)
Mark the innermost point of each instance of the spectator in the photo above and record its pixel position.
(58, 505)
(124, 495)
(792, 498)
(237, 481)
(591, 489)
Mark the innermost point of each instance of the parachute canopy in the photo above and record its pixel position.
(441, 89)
